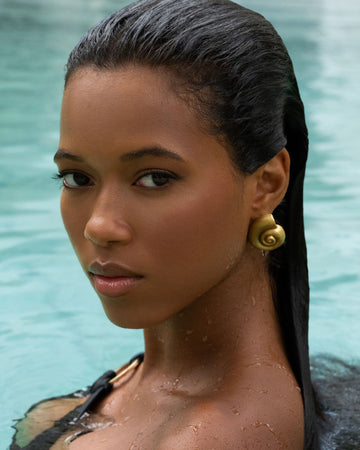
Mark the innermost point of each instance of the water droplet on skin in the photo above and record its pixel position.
(195, 428)
(235, 411)
(188, 332)
(93, 423)
(272, 431)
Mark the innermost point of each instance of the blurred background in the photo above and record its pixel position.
(54, 337)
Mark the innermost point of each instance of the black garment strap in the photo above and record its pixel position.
(101, 388)
(98, 391)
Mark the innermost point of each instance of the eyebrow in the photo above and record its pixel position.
(151, 151)
(63, 154)
(156, 151)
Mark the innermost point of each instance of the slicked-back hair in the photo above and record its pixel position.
(235, 71)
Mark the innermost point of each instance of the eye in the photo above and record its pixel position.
(155, 179)
(73, 180)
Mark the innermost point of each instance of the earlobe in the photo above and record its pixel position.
(272, 180)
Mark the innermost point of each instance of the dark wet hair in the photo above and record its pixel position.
(337, 386)
(242, 80)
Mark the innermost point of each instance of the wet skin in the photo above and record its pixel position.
(158, 217)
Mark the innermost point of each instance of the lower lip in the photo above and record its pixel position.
(114, 286)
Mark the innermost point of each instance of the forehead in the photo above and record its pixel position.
(127, 93)
(132, 107)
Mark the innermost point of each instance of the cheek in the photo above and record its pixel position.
(73, 220)
(205, 233)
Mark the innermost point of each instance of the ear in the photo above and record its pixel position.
(271, 183)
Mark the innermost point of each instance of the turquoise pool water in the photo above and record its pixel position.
(54, 336)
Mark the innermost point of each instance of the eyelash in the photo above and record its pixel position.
(62, 174)
(163, 173)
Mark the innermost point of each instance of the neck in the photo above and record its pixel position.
(232, 325)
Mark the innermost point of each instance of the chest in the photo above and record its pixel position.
(139, 422)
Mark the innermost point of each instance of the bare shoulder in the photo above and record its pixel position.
(254, 420)
(219, 428)
(43, 416)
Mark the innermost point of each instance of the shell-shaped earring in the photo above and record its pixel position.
(266, 234)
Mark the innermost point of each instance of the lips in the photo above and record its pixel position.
(113, 280)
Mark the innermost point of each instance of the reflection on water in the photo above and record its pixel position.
(54, 337)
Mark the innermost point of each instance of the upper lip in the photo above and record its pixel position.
(110, 269)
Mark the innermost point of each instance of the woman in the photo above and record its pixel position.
(179, 122)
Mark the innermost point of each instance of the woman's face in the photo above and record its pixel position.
(156, 213)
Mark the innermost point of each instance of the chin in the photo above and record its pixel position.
(134, 321)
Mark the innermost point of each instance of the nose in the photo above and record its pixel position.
(106, 225)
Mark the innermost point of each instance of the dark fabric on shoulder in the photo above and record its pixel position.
(96, 392)
(47, 438)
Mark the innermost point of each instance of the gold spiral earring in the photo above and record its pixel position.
(266, 234)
